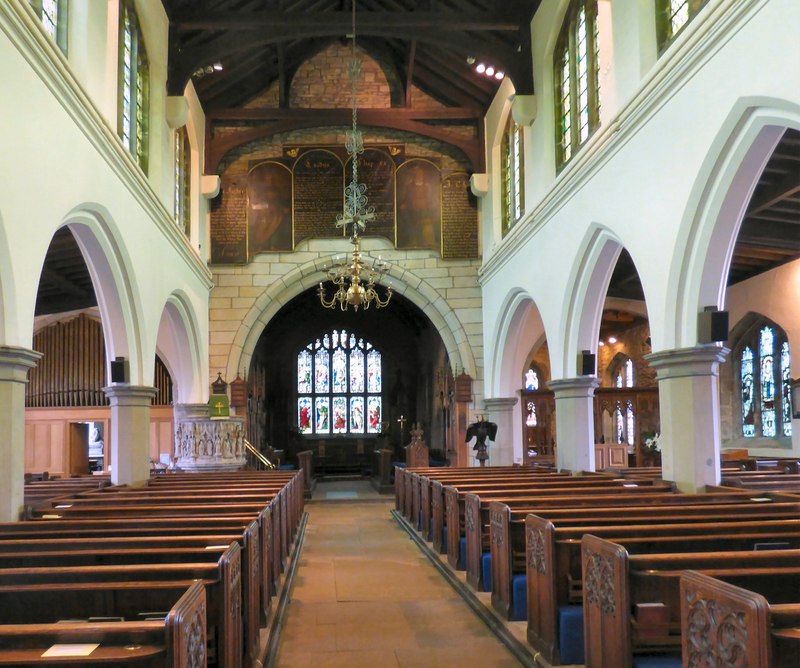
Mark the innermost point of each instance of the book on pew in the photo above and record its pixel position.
(780, 545)
(71, 649)
(652, 620)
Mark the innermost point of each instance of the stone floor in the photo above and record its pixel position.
(365, 597)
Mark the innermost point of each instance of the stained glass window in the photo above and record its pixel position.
(748, 408)
(623, 375)
(576, 69)
(134, 86)
(619, 422)
(531, 379)
(672, 16)
(345, 396)
(531, 420)
(765, 379)
(629, 421)
(786, 389)
(512, 174)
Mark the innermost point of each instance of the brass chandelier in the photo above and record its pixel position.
(354, 280)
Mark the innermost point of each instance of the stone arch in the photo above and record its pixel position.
(112, 277)
(178, 346)
(309, 275)
(588, 285)
(716, 207)
(519, 322)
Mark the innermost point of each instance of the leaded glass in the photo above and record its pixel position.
(531, 420)
(321, 370)
(629, 421)
(357, 370)
(127, 77)
(629, 373)
(618, 379)
(786, 389)
(619, 421)
(748, 405)
(679, 15)
(374, 380)
(374, 415)
(322, 415)
(304, 372)
(340, 415)
(357, 415)
(531, 380)
(566, 108)
(50, 17)
(339, 370)
(765, 350)
(583, 76)
(304, 415)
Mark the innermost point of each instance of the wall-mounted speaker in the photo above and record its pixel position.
(586, 363)
(119, 370)
(712, 326)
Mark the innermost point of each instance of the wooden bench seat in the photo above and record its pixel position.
(614, 582)
(31, 621)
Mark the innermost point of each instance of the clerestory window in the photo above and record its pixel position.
(134, 85)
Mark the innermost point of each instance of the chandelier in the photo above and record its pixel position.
(354, 280)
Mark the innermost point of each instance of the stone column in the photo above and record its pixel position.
(501, 412)
(688, 396)
(575, 422)
(130, 432)
(15, 363)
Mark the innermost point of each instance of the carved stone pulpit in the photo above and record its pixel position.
(417, 453)
(206, 444)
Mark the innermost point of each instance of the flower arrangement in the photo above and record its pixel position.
(653, 443)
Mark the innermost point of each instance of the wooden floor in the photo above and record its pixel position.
(366, 597)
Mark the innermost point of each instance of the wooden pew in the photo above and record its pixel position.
(29, 623)
(222, 580)
(553, 557)
(760, 633)
(614, 582)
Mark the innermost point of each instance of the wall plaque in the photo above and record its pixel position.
(459, 218)
(269, 208)
(318, 194)
(376, 170)
(229, 223)
(419, 205)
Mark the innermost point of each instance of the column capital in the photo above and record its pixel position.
(500, 403)
(523, 109)
(574, 388)
(123, 394)
(702, 360)
(479, 184)
(16, 361)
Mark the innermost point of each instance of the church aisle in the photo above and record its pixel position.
(365, 597)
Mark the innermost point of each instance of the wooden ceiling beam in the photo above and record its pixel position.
(340, 22)
(785, 188)
(273, 114)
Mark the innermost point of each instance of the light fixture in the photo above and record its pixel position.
(612, 339)
(480, 68)
(499, 75)
(217, 66)
(490, 71)
(355, 282)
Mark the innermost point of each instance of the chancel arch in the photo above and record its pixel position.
(307, 276)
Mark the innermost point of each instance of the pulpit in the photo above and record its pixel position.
(205, 444)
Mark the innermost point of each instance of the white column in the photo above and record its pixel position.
(15, 363)
(130, 432)
(688, 395)
(501, 412)
(575, 422)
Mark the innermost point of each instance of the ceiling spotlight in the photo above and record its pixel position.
(480, 68)
(499, 75)
(601, 343)
(217, 66)
(612, 339)
(470, 60)
(490, 71)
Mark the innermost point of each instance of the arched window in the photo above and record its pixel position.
(134, 85)
(532, 378)
(512, 153)
(764, 373)
(54, 14)
(672, 16)
(576, 63)
(339, 385)
(183, 163)
(623, 372)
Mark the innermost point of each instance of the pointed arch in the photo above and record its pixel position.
(308, 275)
(111, 271)
(519, 326)
(178, 346)
(716, 207)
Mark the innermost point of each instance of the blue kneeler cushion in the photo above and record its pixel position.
(486, 571)
(570, 636)
(519, 589)
(462, 554)
(657, 661)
